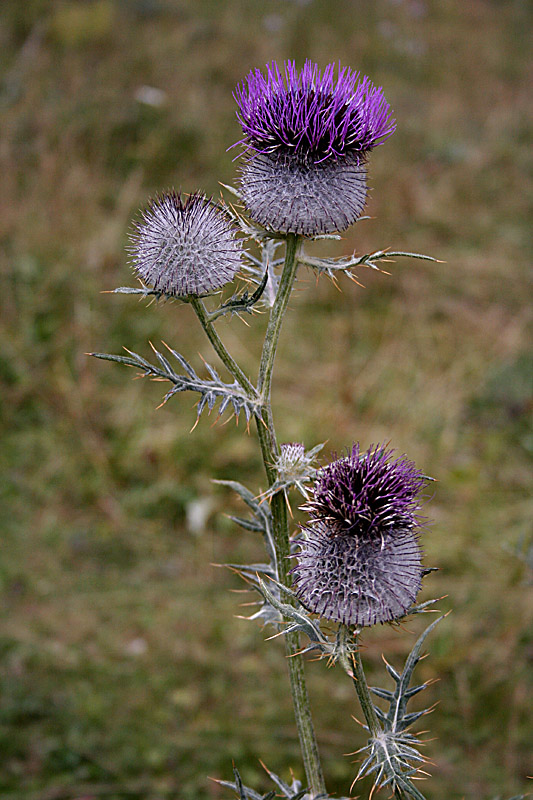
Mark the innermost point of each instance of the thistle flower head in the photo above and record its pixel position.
(185, 247)
(295, 467)
(359, 561)
(308, 134)
(293, 463)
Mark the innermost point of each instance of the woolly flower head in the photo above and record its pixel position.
(308, 135)
(185, 247)
(359, 561)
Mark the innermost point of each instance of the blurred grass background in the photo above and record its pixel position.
(123, 670)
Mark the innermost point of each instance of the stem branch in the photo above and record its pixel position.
(220, 348)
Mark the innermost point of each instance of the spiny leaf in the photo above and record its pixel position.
(345, 264)
(211, 391)
(296, 616)
(402, 694)
(293, 792)
(261, 517)
(247, 524)
(145, 291)
(242, 303)
(393, 756)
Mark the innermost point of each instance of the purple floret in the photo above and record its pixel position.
(367, 492)
(314, 114)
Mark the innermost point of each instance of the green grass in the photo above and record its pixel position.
(124, 672)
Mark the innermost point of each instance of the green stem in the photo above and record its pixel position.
(276, 317)
(363, 693)
(350, 659)
(269, 449)
(270, 344)
(220, 348)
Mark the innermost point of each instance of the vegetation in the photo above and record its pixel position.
(123, 671)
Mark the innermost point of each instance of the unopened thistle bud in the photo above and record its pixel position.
(360, 561)
(185, 247)
(293, 463)
(307, 136)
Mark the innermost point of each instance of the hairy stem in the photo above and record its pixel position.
(220, 349)
(363, 693)
(269, 449)
(365, 700)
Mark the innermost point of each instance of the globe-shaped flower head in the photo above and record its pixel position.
(307, 136)
(359, 561)
(185, 247)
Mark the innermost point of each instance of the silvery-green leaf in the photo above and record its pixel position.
(392, 755)
(211, 391)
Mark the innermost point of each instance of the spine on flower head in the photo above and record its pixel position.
(306, 137)
(360, 561)
(185, 247)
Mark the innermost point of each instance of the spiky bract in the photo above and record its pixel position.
(292, 196)
(307, 135)
(185, 247)
(359, 560)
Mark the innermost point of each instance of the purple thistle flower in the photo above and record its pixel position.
(360, 561)
(308, 135)
(185, 247)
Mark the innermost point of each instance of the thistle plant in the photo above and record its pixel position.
(307, 136)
